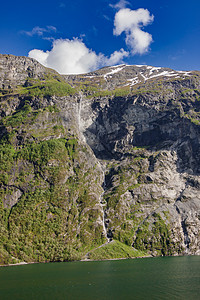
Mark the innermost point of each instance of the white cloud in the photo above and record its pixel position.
(131, 22)
(115, 57)
(73, 57)
(138, 40)
(40, 31)
(39, 55)
(121, 4)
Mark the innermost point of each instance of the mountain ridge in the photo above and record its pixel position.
(85, 159)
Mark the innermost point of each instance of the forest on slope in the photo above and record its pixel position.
(88, 159)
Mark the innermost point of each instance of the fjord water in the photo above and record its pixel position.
(149, 278)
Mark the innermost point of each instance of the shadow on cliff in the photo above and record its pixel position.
(123, 124)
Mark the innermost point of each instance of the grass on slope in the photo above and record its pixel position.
(114, 250)
(41, 88)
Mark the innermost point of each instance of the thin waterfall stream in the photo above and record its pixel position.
(79, 110)
(101, 200)
(102, 203)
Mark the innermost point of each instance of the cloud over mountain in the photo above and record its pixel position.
(74, 57)
(131, 22)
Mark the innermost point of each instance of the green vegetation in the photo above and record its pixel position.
(41, 88)
(48, 88)
(141, 90)
(94, 90)
(157, 239)
(56, 184)
(125, 179)
(20, 116)
(127, 218)
(115, 250)
(50, 185)
(193, 119)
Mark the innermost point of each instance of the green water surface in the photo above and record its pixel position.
(149, 278)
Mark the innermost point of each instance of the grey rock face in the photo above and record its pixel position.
(167, 146)
(145, 143)
(15, 70)
(12, 197)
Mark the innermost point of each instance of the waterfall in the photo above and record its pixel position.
(102, 204)
(80, 122)
(79, 110)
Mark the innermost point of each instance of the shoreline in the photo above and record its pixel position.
(23, 263)
(91, 260)
(82, 260)
(120, 258)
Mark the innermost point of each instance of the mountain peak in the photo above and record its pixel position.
(113, 154)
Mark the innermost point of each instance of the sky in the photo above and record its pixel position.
(79, 36)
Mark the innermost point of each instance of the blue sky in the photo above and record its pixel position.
(163, 33)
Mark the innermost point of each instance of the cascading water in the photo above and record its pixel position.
(79, 110)
(101, 200)
(103, 212)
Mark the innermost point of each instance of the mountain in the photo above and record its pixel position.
(100, 165)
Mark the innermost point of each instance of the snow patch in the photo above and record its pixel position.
(154, 69)
(140, 66)
(164, 73)
(116, 70)
(134, 81)
(145, 78)
(185, 73)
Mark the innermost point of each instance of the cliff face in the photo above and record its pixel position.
(114, 154)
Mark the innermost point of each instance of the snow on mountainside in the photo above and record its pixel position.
(113, 154)
(130, 75)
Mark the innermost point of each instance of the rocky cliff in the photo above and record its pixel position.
(88, 159)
